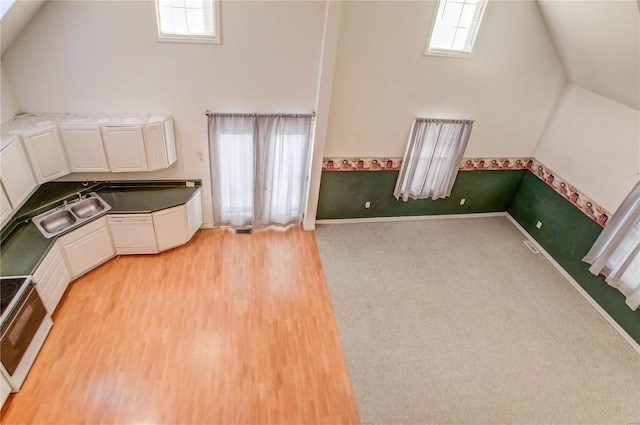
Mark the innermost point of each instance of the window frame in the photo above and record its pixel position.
(187, 38)
(455, 53)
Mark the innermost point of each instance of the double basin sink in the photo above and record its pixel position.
(70, 215)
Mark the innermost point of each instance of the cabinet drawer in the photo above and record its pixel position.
(55, 287)
(48, 265)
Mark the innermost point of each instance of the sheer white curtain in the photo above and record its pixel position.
(232, 139)
(616, 252)
(281, 169)
(259, 167)
(432, 158)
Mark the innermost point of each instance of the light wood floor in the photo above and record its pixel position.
(230, 328)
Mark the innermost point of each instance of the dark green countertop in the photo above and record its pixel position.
(24, 247)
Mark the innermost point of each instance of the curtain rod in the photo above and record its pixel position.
(442, 120)
(240, 115)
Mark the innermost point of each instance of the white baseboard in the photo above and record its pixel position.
(576, 285)
(407, 218)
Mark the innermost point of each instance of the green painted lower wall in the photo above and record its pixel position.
(344, 193)
(567, 235)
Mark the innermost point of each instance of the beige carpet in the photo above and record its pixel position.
(455, 321)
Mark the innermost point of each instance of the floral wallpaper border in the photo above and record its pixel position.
(581, 201)
(393, 163)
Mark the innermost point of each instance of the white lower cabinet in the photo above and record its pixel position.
(133, 233)
(194, 213)
(5, 390)
(87, 247)
(52, 278)
(171, 227)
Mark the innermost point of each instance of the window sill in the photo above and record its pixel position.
(188, 40)
(461, 55)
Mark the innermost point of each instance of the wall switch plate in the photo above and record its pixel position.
(539, 224)
(367, 204)
(462, 201)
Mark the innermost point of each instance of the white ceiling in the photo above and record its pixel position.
(599, 45)
(16, 19)
(598, 42)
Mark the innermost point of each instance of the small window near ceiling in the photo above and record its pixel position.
(188, 20)
(455, 27)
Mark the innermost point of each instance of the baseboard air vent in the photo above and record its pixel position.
(243, 231)
(531, 247)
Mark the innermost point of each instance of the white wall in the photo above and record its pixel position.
(599, 44)
(594, 143)
(383, 79)
(9, 106)
(86, 56)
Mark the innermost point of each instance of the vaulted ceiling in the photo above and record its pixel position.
(597, 41)
(599, 45)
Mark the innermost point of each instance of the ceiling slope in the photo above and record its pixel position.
(599, 45)
(16, 19)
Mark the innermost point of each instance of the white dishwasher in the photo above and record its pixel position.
(133, 233)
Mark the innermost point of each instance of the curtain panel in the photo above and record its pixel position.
(259, 166)
(432, 157)
(616, 252)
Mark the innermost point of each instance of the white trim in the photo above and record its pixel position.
(455, 53)
(407, 218)
(576, 285)
(332, 17)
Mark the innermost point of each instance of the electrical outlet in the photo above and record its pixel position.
(190, 184)
(539, 224)
(462, 201)
(367, 204)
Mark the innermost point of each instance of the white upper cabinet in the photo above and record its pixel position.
(84, 148)
(125, 148)
(160, 142)
(47, 154)
(5, 206)
(15, 172)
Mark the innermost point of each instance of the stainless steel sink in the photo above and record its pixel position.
(88, 207)
(70, 215)
(58, 221)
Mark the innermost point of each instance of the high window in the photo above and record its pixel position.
(188, 20)
(456, 26)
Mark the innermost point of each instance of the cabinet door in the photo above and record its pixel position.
(16, 175)
(89, 251)
(52, 278)
(48, 157)
(125, 148)
(160, 144)
(171, 227)
(194, 213)
(85, 149)
(5, 205)
(5, 389)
